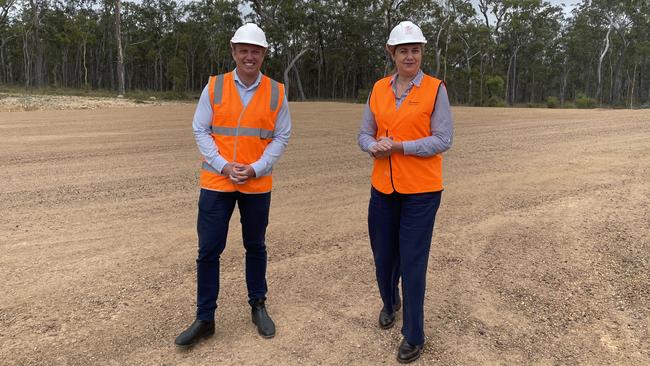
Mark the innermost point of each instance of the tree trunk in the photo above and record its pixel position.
(83, 45)
(482, 72)
(599, 90)
(300, 90)
(508, 80)
(288, 68)
(514, 78)
(618, 76)
(27, 59)
(321, 62)
(469, 77)
(532, 88)
(444, 75)
(159, 80)
(2, 60)
(120, 55)
(483, 7)
(632, 86)
(438, 49)
(37, 59)
(320, 67)
(64, 59)
(563, 82)
(611, 78)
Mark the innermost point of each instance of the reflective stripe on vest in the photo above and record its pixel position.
(275, 95)
(209, 168)
(240, 133)
(218, 92)
(411, 121)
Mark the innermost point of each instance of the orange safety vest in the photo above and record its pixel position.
(412, 121)
(241, 134)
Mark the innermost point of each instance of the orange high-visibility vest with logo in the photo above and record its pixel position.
(406, 173)
(241, 134)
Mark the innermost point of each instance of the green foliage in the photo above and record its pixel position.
(177, 74)
(495, 86)
(495, 101)
(536, 49)
(583, 101)
(552, 102)
(362, 95)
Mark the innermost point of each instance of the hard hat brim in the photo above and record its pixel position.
(408, 41)
(264, 45)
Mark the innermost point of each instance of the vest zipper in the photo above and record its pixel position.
(234, 154)
(390, 168)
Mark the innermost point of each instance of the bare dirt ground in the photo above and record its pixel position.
(541, 250)
(25, 102)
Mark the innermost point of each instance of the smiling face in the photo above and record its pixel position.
(407, 58)
(248, 58)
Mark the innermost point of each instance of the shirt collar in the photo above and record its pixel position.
(417, 80)
(254, 85)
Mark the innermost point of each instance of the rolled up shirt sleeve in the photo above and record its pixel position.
(368, 131)
(442, 130)
(273, 151)
(201, 126)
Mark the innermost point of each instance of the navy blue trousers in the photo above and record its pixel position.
(401, 227)
(215, 210)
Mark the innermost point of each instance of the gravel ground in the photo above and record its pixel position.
(541, 251)
(23, 102)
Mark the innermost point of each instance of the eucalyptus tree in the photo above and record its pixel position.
(286, 24)
(31, 19)
(530, 27)
(118, 46)
(638, 67)
(6, 6)
(209, 25)
(520, 50)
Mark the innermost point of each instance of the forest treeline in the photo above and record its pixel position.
(492, 52)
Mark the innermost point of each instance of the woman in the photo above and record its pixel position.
(406, 126)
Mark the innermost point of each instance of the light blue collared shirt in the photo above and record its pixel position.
(442, 126)
(201, 125)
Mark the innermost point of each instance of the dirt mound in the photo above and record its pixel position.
(34, 102)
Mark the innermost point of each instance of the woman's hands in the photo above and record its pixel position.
(385, 147)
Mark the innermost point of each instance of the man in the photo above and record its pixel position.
(241, 126)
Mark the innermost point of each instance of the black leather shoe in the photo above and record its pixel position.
(261, 318)
(198, 330)
(407, 352)
(386, 320)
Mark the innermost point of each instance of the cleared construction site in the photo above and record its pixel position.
(540, 255)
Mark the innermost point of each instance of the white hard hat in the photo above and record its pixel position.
(250, 33)
(405, 32)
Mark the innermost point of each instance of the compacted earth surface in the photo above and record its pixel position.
(15, 102)
(540, 255)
